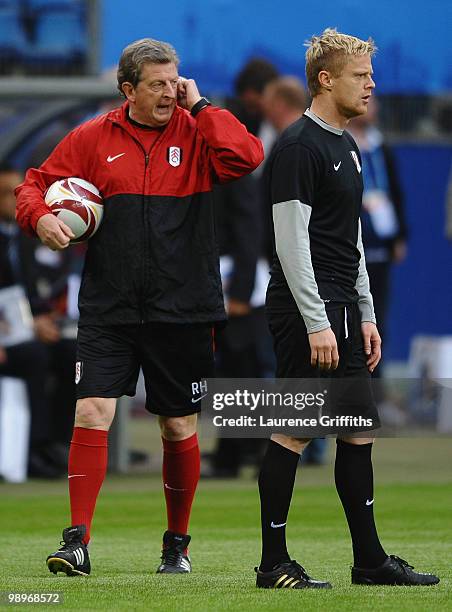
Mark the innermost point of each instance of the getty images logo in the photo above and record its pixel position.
(198, 390)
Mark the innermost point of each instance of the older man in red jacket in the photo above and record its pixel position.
(151, 289)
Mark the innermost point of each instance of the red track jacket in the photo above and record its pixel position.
(154, 257)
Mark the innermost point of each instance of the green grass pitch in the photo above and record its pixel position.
(413, 511)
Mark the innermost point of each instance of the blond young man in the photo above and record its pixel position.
(320, 308)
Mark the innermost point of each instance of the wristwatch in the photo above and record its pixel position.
(200, 104)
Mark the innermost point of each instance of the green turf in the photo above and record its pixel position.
(414, 520)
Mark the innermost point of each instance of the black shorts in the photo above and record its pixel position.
(175, 358)
(350, 383)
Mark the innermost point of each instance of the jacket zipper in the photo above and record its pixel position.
(147, 156)
(146, 162)
(143, 272)
(143, 263)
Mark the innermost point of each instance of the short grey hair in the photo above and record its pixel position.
(140, 52)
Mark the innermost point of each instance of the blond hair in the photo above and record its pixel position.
(330, 51)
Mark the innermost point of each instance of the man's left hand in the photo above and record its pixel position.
(399, 251)
(372, 344)
(46, 328)
(236, 308)
(187, 93)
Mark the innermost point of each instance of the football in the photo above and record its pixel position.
(78, 204)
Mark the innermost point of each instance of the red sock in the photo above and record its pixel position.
(86, 472)
(180, 477)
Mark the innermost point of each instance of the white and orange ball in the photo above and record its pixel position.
(78, 204)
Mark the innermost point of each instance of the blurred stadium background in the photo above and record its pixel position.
(57, 60)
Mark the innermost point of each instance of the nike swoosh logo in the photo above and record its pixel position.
(76, 475)
(198, 399)
(369, 503)
(172, 488)
(111, 158)
(272, 524)
(336, 167)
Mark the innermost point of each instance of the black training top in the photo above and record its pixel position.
(315, 185)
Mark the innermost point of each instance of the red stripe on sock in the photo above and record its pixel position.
(180, 472)
(88, 457)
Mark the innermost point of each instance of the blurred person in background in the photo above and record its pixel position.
(243, 347)
(384, 230)
(46, 363)
(284, 101)
(237, 216)
(151, 289)
(248, 105)
(250, 84)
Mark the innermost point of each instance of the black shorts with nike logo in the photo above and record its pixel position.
(176, 360)
(350, 382)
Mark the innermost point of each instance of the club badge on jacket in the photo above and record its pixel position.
(174, 156)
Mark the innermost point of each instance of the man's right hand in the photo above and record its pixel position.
(324, 349)
(53, 232)
(3, 355)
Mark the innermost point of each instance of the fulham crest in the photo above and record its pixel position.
(174, 156)
(356, 160)
(78, 371)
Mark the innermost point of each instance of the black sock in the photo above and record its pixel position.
(354, 483)
(276, 481)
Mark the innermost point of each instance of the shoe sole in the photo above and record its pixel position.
(395, 584)
(172, 571)
(293, 585)
(55, 565)
(264, 586)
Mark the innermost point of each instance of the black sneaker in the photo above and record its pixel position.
(72, 558)
(289, 575)
(174, 558)
(394, 571)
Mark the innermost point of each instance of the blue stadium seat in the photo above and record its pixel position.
(39, 5)
(12, 35)
(10, 4)
(60, 38)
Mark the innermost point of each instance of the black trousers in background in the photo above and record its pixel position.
(48, 371)
(379, 278)
(244, 349)
(61, 389)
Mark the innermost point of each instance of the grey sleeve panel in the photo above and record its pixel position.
(291, 222)
(365, 300)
